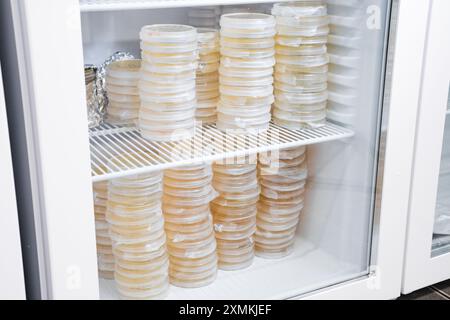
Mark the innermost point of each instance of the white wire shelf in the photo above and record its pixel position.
(208, 144)
(115, 5)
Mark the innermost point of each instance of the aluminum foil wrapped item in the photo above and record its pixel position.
(94, 116)
(100, 84)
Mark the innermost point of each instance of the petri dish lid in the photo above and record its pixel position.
(125, 69)
(261, 63)
(262, 91)
(246, 82)
(168, 33)
(242, 43)
(257, 53)
(170, 48)
(310, 88)
(246, 73)
(305, 50)
(300, 8)
(295, 79)
(158, 88)
(305, 61)
(206, 35)
(247, 21)
(248, 34)
(169, 68)
(248, 111)
(303, 31)
(182, 97)
(307, 21)
(303, 98)
(297, 41)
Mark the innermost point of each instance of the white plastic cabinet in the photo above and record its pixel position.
(427, 258)
(351, 238)
(12, 285)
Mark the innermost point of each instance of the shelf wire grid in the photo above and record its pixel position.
(133, 154)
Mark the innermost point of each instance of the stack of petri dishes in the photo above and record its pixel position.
(167, 86)
(234, 212)
(282, 178)
(204, 17)
(105, 256)
(189, 226)
(139, 241)
(246, 71)
(301, 71)
(208, 75)
(122, 81)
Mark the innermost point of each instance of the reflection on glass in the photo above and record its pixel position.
(441, 236)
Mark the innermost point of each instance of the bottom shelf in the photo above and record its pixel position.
(306, 270)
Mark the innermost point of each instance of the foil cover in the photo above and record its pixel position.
(97, 97)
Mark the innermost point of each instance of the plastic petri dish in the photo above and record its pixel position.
(305, 88)
(182, 97)
(247, 101)
(303, 31)
(168, 33)
(300, 9)
(143, 294)
(168, 78)
(235, 266)
(205, 250)
(245, 73)
(193, 263)
(122, 82)
(170, 58)
(234, 235)
(207, 67)
(303, 61)
(279, 211)
(274, 254)
(210, 57)
(285, 68)
(306, 21)
(194, 269)
(253, 92)
(190, 173)
(188, 201)
(276, 195)
(296, 185)
(246, 82)
(124, 69)
(247, 21)
(247, 63)
(243, 53)
(300, 79)
(132, 221)
(225, 121)
(127, 90)
(297, 41)
(242, 43)
(158, 88)
(299, 116)
(202, 281)
(168, 68)
(304, 50)
(306, 98)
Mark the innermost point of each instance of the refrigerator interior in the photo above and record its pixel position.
(441, 236)
(333, 242)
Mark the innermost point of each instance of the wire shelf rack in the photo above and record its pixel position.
(209, 144)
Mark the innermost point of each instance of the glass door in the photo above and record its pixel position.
(428, 239)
